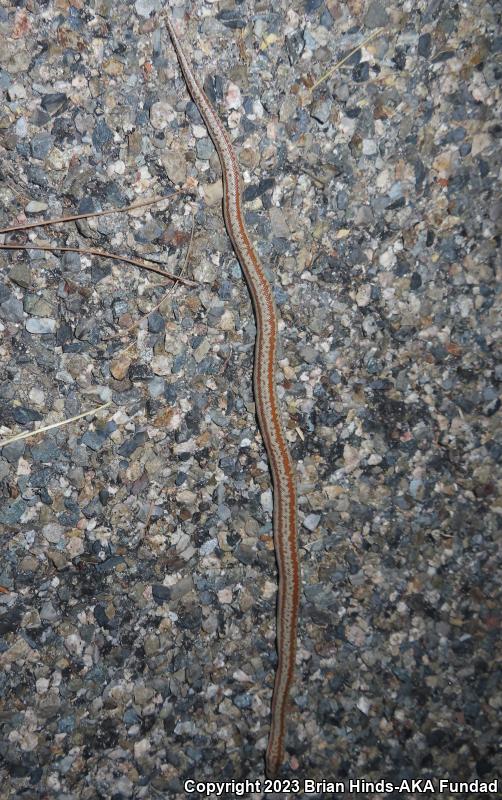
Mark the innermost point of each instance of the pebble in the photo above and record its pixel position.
(233, 99)
(321, 111)
(41, 144)
(204, 149)
(101, 135)
(311, 521)
(231, 18)
(161, 115)
(376, 15)
(20, 274)
(16, 92)
(12, 512)
(162, 365)
(11, 310)
(149, 232)
(156, 323)
(21, 128)
(54, 102)
(119, 367)
(213, 193)
(363, 295)
(175, 167)
(94, 439)
(35, 207)
(369, 147)
(13, 451)
(40, 325)
(278, 223)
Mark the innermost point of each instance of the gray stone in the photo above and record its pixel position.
(54, 102)
(101, 135)
(36, 207)
(41, 145)
(40, 325)
(12, 512)
(149, 232)
(321, 111)
(13, 451)
(376, 15)
(11, 310)
(20, 273)
(94, 439)
(204, 149)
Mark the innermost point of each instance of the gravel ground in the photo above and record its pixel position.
(138, 579)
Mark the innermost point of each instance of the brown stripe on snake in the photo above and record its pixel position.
(268, 413)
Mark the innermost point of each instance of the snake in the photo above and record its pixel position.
(285, 515)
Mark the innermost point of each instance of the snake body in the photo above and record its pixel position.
(268, 413)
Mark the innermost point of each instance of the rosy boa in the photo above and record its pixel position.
(268, 412)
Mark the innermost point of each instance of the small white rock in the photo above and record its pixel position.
(351, 457)
(21, 127)
(118, 167)
(42, 684)
(480, 142)
(40, 325)
(28, 741)
(363, 705)
(141, 748)
(208, 547)
(16, 92)
(75, 547)
(233, 98)
(363, 295)
(37, 396)
(161, 365)
(311, 521)
(186, 497)
(387, 259)
(266, 500)
(53, 532)
(227, 321)
(74, 644)
(35, 207)
(161, 114)
(369, 147)
(225, 596)
(213, 192)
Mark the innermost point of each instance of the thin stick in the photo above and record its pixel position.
(91, 251)
(327, 74)
(27, 434)
(73, 217)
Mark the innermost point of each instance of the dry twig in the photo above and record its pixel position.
(27, 434)
(92, 250)
(343, 60)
